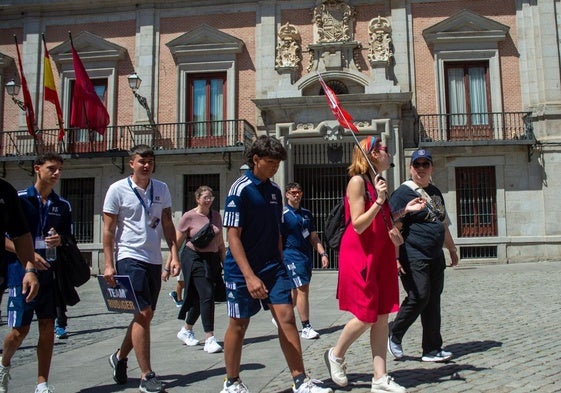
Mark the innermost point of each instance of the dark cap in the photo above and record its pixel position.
(421, 153)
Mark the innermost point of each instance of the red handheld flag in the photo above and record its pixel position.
(87, 109)
(27, 103)
(50, 93)
(342, 116)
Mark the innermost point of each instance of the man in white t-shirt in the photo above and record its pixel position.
(136, 212)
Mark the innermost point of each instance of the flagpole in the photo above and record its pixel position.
(352, 132)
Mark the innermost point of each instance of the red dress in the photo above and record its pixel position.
(368, 283)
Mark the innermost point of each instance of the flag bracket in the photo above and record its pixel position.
(21, 164)
(227, 161)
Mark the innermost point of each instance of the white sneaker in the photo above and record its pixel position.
(337, 368)
(437, 356)
(310, 386)
(4, 377)
(309, 333)
(236, 387)
(274, 323)
(188, 337)
(211, 346)
(386, 384)
(46, 389)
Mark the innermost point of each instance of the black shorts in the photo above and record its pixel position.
(145, 278)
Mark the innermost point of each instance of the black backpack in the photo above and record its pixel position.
(335, 224)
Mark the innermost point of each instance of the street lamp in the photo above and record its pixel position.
(134, 84)
(12, 88)
(244, 168)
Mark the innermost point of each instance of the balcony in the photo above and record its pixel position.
(166, 138)
(479, 128)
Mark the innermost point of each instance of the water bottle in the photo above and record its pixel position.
(50, 252)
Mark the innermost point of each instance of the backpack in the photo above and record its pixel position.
(335, 224)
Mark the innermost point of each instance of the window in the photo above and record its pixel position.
(80, 193)
(207, 103)
(192, 182)
(467, 94)
(476, 201)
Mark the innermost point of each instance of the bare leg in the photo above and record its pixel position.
(300, 297)
(45, 348)
(288, 337)
(138, 337)
(233, 342)
(12, 342)
(351, 332)
(179, 290)
(378, 341)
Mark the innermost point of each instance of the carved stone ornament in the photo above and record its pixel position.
(380, 41)
(333, 19)
(288, 47)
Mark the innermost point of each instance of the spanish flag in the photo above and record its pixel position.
(50, 90)
(27, 103)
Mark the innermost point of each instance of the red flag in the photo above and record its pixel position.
(50, 90)
(27, 103)
(87, 109)
(342, 116)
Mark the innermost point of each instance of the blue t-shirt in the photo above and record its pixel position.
(256, 207)
(296, 228)
(423, 231)
(56, 213)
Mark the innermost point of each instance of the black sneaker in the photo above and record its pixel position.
(119, 368)
(151, 384)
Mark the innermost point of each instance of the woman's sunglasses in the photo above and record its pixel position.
(424, 164)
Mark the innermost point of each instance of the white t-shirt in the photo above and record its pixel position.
(139, 226)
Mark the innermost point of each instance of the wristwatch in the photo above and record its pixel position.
(323, 254)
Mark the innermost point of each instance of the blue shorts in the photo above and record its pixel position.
(299, 273)
(242, 306)
(145, 278)
(20, 313)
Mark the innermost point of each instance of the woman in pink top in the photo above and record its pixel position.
(202, 270)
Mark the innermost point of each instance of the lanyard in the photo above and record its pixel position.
(43, 214)
(146, 208)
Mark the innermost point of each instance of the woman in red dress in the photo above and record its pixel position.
(368, 283)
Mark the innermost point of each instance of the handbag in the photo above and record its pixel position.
(204, 236)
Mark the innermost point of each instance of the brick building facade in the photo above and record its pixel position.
(475, 82)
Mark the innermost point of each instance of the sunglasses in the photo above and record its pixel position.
(295, 193)
(424, 164)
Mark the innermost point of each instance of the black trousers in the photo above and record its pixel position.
(203, 303)
(423, 282)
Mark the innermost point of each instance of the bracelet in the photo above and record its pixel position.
(31, 270)
(166, 269)
(379, 204)
(323, 254)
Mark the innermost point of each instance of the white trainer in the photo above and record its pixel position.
(4, 377)
(211, 346)
(337, 368)
(236, 387)
(188, 337)
(46, 389)
(311, 386)
(309, 333)
(386, 384)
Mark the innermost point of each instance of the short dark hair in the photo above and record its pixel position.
(48, 156)
(266, 146)
(141, 150)
(292, 185)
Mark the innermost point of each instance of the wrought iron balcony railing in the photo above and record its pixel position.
(463, 127)
(170, 138)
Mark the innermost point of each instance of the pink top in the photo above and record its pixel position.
(192, 221)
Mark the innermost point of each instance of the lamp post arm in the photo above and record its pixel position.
(144, 103)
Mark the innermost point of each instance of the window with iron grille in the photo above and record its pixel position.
(192, 182)
(80, 193)
(476, 201)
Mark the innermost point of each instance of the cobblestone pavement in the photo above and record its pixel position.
(500, 321)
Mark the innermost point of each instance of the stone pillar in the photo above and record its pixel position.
(146, 53)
